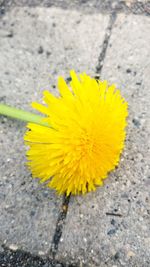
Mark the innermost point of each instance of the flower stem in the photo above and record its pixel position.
(21, 115)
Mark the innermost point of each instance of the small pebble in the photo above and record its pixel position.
(10, 35)
(32, 213)
(136, 122)
(13, 247)
(138, 83)
(68, 79)
(111, 232)
(45, 193)
(48, 53)
(40, 50)
(130, 254)
(41, 253)
(128, 70)
(113, 222)
(116, 256)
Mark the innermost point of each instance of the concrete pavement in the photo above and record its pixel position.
(109, 227)
(90, 233)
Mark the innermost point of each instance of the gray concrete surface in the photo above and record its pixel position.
(36, 45)
(90, 6)
(90, 236)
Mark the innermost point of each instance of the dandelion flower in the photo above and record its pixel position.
(85, 136)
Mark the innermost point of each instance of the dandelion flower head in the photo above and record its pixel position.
(85, 136)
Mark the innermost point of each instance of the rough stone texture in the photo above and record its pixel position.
(44, 44)
(36, 46)
(135, 6)
(91, 236)
(20, 258)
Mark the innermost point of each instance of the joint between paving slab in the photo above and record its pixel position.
(102, 55)
(59, 227)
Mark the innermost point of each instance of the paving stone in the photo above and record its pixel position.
(36, 46)
(92, 235)
(88, 6)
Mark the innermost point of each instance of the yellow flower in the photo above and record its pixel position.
(85, 136)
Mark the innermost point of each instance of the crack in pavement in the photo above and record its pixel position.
(105, 43)
(59, 226)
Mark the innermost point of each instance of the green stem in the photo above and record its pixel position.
(21, 115)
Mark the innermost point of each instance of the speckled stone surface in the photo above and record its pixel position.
(89, 6)
(36, 45)
(93, 236)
